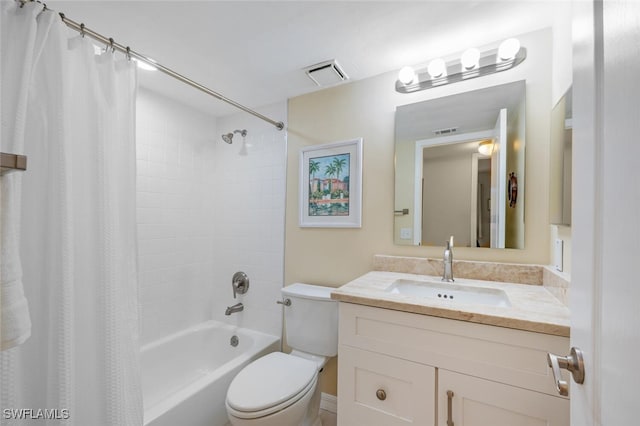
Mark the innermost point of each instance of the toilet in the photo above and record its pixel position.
(281, 389)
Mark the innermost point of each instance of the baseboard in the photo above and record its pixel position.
(329, 403)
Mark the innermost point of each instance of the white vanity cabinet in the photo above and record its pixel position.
(398, 368)
(482, 402)
(384, 390)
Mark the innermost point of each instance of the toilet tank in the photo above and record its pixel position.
(311, 321)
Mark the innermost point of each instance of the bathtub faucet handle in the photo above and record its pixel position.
(239, 283)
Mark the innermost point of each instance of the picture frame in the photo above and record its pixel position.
(330, 192)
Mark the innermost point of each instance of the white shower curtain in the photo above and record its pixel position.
(77, 230)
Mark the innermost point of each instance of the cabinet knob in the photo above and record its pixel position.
(381, 394)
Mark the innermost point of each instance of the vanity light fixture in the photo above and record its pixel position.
(407, 75)
(486, 148)
(472, 63)
(508, 49)
(470, 59)
(437, 68)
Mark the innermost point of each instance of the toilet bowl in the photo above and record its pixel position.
(281, 389)
(275, 390)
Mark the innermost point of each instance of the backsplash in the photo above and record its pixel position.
(556, 283)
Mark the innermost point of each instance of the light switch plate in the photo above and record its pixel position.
(557, 254)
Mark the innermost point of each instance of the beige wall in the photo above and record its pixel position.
(366, 109)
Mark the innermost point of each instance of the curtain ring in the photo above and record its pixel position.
(111, 41)
(44, 7)
(82, 30)
(128, 53)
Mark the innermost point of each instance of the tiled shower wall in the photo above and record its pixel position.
(205, 212)
(175, 206)
(249, 219)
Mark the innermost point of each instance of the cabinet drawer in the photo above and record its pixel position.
(480, 402)
(409, 390)
(514, 357)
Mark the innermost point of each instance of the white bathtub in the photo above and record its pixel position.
(185, 376)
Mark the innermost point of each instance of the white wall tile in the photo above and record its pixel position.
(249, 236)
(205, 212)
(175, 229)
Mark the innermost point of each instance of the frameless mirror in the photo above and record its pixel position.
(460, 169)
(560, 161)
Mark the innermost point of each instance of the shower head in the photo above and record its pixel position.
(228, 138)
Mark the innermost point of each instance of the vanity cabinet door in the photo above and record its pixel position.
(379, 390)
(480, 402)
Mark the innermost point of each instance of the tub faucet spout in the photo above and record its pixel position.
(238, 307)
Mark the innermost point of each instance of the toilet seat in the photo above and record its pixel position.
(270, 384)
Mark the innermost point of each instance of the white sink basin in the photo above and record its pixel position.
(450, 292)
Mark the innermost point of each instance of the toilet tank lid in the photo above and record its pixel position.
(308, 291)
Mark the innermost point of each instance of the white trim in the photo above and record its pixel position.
(502, 173)
(473, 237)
(587, 208)
(329, 403)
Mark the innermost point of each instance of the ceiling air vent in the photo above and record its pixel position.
(326, 73)
(445, 132)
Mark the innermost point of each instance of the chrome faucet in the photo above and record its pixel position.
(238, 307)
(447, 274)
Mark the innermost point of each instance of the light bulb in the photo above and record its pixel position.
(407, 76)
(470, 59)
(437, 68)
(508, 49)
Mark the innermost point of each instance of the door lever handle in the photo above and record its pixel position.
(573, 362)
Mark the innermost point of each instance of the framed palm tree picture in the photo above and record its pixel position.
(331, 185)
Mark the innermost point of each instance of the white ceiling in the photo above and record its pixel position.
(254, 51)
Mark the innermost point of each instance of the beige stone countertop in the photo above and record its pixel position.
(532, 308)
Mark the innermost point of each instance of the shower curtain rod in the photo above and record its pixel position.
(133, 54)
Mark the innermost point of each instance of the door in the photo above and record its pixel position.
(499, 181)
(471, 401)
(605, 287)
